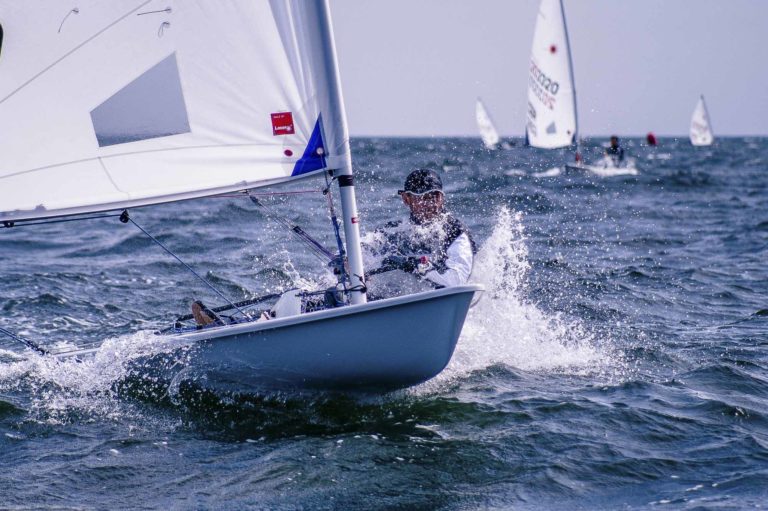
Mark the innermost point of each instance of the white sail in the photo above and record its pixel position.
(486, 127)
(120, 103)
(552, 120)
(115, 104)
(701, 130)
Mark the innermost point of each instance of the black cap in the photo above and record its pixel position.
(422, 181)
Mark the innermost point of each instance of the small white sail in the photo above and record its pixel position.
(551, 112)
(486, 127)
(701, 130)
(115, 104)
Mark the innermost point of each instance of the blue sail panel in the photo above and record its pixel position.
(314, 154)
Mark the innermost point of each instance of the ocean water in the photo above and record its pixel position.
(617, 361)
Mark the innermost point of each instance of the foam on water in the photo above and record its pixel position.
(61, 386)
(504, 327)
(551, 172)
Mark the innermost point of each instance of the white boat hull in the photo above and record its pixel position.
(606, 168)
(386, 344)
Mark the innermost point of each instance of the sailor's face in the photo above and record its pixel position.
(426, 206)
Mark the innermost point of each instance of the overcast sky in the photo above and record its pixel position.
(415, 67)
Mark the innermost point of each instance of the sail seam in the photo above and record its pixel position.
(109, 176)
(73, 50)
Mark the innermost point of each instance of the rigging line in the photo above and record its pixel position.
(303, 236)
(335, 221)
(30, 344)
(125, 218)
(12, 223)
(73, 50)
(317, 250)
(260, 194)
(294, 192)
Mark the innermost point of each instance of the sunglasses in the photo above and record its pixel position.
(430, 195)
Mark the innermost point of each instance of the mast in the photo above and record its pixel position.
(340, 160)
(573, 86)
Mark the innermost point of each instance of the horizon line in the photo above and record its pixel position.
(607, 135)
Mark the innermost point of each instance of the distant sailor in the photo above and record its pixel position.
(615, 152)
(433, 245)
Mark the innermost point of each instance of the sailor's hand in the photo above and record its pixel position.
(423, 266)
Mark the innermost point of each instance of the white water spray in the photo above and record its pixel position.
(506, 328)
(62, 386)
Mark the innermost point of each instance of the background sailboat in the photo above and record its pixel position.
(129, 103)
(485, 126)
(701, 129)
(551, 114)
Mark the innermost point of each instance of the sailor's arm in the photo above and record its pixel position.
(459, 264)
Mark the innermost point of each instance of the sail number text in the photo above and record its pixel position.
(543, 86)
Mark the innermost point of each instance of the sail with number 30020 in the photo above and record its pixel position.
(129, 103)
(551, 114)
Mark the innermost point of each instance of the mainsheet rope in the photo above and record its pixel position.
(124, 217)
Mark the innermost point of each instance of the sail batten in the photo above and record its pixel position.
(141, 102)
(551, 113)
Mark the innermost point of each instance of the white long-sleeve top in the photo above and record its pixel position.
(458, 264)
(446, 242)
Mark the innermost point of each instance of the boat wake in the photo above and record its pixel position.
(552, 172)
(60, 389)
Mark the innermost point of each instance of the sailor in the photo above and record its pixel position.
(615, 152)
(433, 245)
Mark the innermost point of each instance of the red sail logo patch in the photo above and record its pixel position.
(282, 123)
